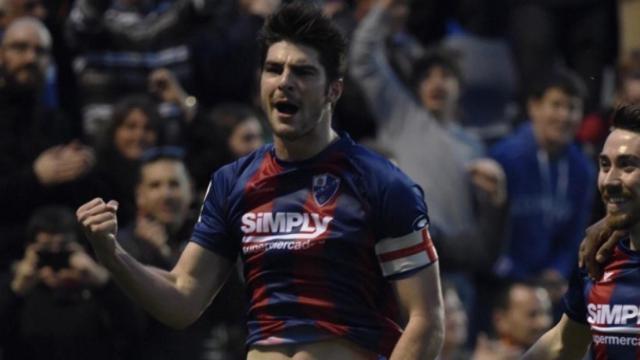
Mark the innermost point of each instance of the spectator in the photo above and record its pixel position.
(228, 132)
(134, 128)
(521, 314)
(60, 303)
(163, 196)
(39, 164)
(456, 325)
(549, 184)
(161, 231)
(120, 42)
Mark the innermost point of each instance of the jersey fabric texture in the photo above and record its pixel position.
(319, 239)
(609, 306)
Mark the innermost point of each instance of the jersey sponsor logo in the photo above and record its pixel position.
(282, 230)
(616, 340)
(324, 187)
(602, 316)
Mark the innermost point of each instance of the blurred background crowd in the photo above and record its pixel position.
(497, 108)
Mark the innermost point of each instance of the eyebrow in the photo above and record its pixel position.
(628, 157)
(623, 157)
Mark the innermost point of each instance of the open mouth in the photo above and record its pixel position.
(286, 107)
(617, 201)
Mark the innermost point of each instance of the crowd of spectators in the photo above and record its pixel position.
(497, 109)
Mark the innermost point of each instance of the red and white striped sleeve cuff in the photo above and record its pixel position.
(405, 253)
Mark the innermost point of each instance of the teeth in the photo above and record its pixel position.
(617, 200)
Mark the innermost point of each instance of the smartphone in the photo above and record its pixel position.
(55, 259)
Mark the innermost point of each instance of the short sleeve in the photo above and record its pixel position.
(404, 245)
(574, 301)
(211, 230)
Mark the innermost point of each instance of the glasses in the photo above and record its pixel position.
(22, 47)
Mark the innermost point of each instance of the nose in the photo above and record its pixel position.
(611, 179)
(31, 55)
(564, 113)
(286, 80)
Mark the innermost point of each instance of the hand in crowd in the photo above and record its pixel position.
(63, 163)
(488, 176)
(26, 275)
(80, 270)
(100, 225)
(597, 246)
(153, 233)
(262, 8)
(164, 85)
(487, 349)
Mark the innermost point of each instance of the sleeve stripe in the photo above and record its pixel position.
(394, 244)
(393, 255)
(428, 243)
(404, 264)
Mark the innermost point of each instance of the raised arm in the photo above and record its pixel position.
(176, 298)
(420, 297)
(569, 339)
(387, 97)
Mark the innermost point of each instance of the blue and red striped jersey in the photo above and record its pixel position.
(320, 241)
(609, 306)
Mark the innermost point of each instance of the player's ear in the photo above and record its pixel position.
(335, 90)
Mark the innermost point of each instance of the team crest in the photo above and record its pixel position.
(324, 187)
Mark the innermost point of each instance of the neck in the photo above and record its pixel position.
(550, 148)
(443, 117)
(308, 145)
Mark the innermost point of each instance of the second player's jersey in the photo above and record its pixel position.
(610, 306)
(319, 239)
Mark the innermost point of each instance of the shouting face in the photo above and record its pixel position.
(294, 90)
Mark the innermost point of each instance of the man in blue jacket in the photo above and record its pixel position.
(549, 183)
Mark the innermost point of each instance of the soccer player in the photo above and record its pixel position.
(333, 238)
(605, 312)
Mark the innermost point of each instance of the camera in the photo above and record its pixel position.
(56, 260)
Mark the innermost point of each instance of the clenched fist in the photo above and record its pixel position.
(100, 224)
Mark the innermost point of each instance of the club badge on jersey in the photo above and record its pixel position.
(324, 187)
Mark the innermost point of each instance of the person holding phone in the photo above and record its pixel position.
(60, 303)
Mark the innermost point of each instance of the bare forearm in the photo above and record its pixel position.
(422, 339)
(567, 340)
(156, 290)
(540, 350)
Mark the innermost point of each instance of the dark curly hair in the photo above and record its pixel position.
(302, 22)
